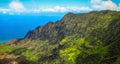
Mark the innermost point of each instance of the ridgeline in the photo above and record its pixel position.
(85, 38)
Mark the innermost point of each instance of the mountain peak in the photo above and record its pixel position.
(70, 14)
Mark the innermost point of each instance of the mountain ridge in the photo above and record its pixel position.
(86, 38)
(60, 26)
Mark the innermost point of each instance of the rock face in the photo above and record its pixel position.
(5, 55)
(13, 42)
(8, 59)
(54, 32)
(81, 24)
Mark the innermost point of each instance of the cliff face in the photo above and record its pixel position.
(81, 24)
(53, 32)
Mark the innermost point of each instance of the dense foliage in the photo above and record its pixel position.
(5, 48)
(89, 38)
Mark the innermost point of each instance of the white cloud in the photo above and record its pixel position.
(78, 9)
(104, 5)
(66, 9)
(109, 5)
(16, 6)
(4, 11)
(61, 9)
(54, 9)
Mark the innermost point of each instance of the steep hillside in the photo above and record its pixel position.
(82, 24)
(86, 38)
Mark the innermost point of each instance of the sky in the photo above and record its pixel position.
(56, 6)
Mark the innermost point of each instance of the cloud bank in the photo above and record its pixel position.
(105, 5)
(16, 6)
(19, 7)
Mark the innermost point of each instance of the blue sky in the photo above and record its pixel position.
(56, 6)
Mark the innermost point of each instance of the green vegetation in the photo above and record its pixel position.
(5, 48)
(76, 39)
(71, 48)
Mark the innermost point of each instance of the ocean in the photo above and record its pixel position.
(16, 26)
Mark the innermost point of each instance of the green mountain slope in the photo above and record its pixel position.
(87, 38)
